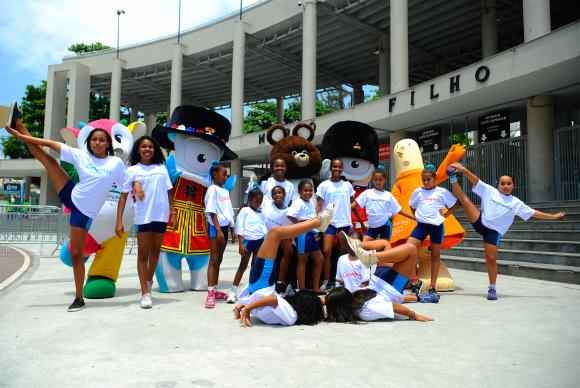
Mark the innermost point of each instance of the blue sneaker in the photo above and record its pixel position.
(491, 294)
(429, 297)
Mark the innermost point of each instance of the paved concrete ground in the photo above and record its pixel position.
(10, 261)
(529, 338)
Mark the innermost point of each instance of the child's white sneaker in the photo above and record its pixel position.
(232, 295)
(146, 302)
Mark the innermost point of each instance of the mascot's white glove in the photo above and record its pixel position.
(325, 170)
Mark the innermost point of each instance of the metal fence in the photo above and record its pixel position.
(491, 160)
(567, 166)
(33, 224)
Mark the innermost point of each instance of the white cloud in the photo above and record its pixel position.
(36, 33)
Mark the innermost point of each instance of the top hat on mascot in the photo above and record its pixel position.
(198, 122)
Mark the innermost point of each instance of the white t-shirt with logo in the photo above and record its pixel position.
(428, 203)
(96, 178)
(217, 201)
(302, 210)
(352, 273)
(267, 186)
(283, 314)
(251, 224)
(275, 216)
(155, 181)
(380, 206)
(338, 193)
(499, 210)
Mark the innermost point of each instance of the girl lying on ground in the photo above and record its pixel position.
(365, 305)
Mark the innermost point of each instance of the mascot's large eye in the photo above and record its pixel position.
(119, 138)
(294, 153)
(201, 158)
(354, 164)
(304, 152)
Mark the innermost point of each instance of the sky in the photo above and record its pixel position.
(36, 33)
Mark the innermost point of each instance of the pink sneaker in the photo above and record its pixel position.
(210, 300)
(220, 295)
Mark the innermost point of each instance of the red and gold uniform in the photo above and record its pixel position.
(188, 236)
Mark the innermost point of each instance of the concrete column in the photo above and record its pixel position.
(134, 114)
(150, 121)
(78, 95)
(394, 137)
(540, 152)
(280, 109)
(176, 76)
(384, 74)
(399, 45)
(26, 189)
(116, 80)
(238, 74)
(54, 111)
(488, 28)
(536, 18)
(309, 35)
(358, 94)
(236, 169)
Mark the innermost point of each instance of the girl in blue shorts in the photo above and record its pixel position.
(153, 201)
(251, 229)
(498, 210)
(429, 203)
(307, 244)
(98, 170)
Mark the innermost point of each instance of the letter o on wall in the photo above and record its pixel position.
(482, 74)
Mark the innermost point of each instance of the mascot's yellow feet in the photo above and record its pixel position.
(99, 288)
(455, 154)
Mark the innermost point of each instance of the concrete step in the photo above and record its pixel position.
(538, 234)
(528, 245)
(557, 258)
(550, 272)
(570, 216)
(538, 225)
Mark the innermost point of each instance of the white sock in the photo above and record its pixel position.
(492, 286)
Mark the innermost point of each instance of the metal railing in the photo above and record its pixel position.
(33, 224)
(567, 166)
(491, 160)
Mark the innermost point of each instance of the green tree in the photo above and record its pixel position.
(260, 116)
(98, 107)
(81, 48)
(459, 138)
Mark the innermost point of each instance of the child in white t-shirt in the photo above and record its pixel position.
(269, 307)
(276, 214)
(365, 305)
(340, 193)
(303, 209)
(498, 210)
(380, 206)
(251, 229)
(98, 171)
(152, 206)
(428, 204)
(278, 178)
(220, 216)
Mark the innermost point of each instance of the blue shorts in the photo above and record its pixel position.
(490, 236)
(262, 274)
(253, 245)
(395, 279)
(155, 227)
(436, 232)
(212, 232)
(77, 218)
(333, 230)
(383, 232)
(307, 242)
